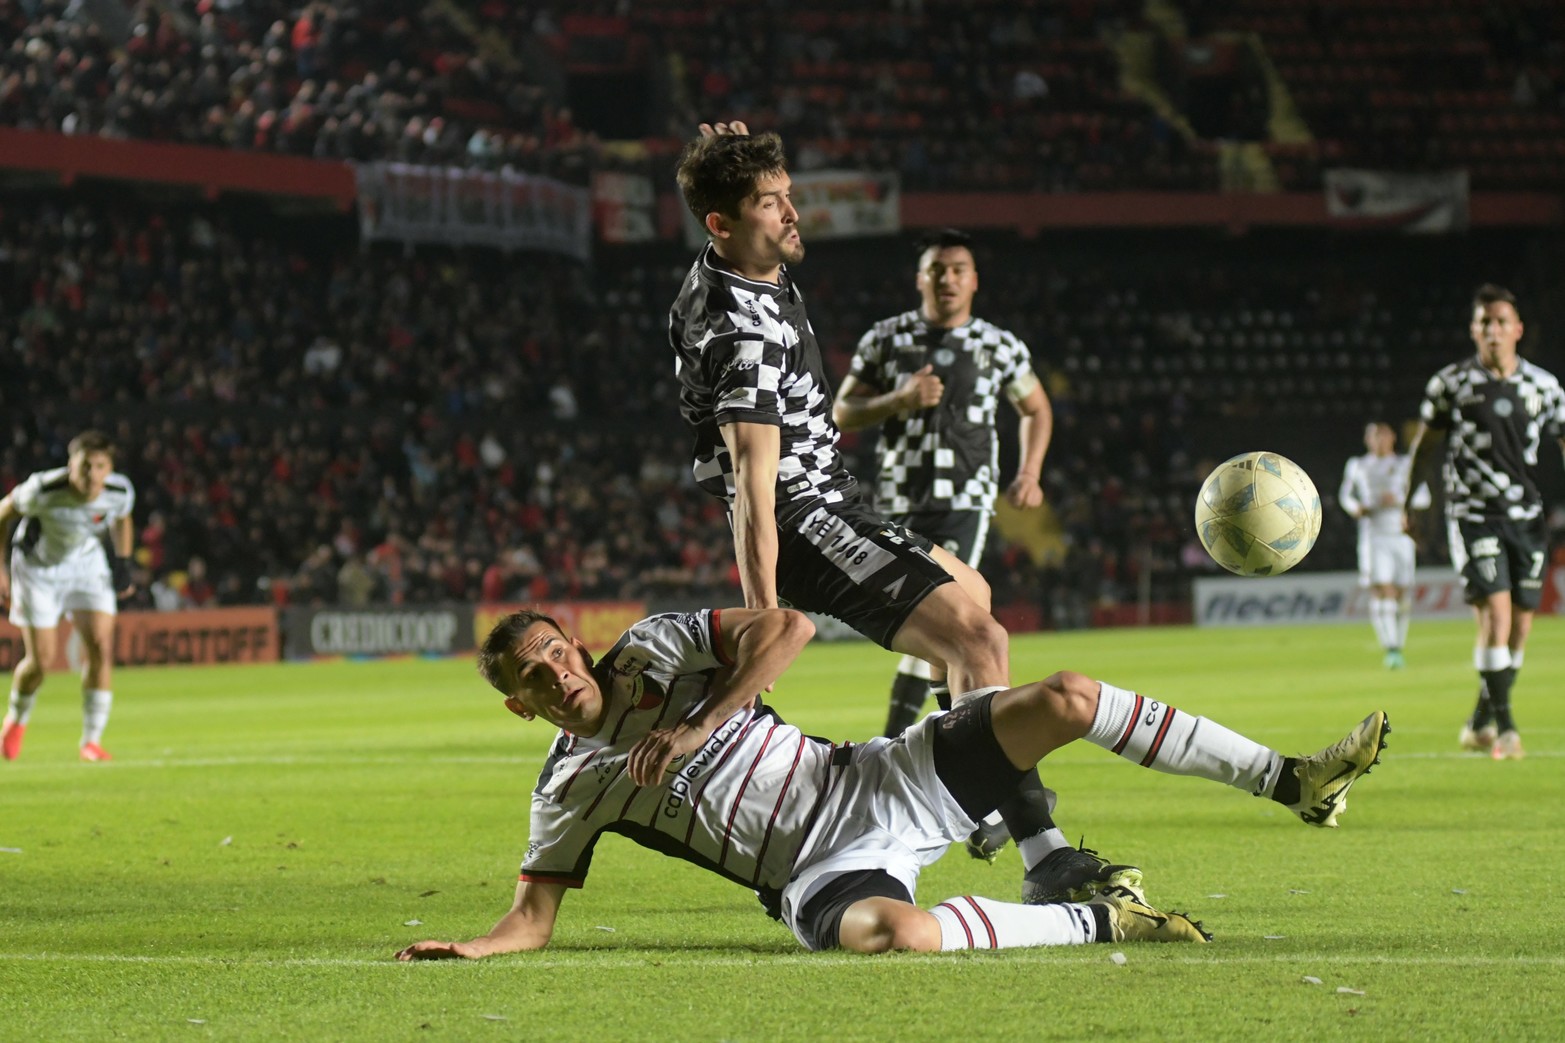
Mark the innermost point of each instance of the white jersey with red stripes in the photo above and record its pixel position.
(742, 805)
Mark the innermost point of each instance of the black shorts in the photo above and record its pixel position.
(963, 533)
(1499, 554)
(847, 561)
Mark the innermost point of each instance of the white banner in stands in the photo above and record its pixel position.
(1317, 597)
(405, 203)
(834, 204)
(1435, 202)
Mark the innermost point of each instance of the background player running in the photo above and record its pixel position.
(1493, 409)
(70, 556)
(1374, 488)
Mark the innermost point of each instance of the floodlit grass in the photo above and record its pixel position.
(248, 864)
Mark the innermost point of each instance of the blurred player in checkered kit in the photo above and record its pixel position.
(70, 556)
(1493, 409)
(753, 390)
(931, 379)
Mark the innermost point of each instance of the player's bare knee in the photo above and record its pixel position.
(1072, 698)
(980, 638)
(29, 674)
(879, 925)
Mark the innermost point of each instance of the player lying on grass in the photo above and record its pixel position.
(664, 741)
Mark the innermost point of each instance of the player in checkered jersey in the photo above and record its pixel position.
(62, 562)
(1493, 409)
(1374, 487)
(754, 389)
(931, 379)
(664, 741)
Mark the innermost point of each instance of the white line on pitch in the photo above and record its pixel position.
(639, 957)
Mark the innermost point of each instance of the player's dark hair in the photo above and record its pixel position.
(945, 238)
(501, 642)
(91, 441)
(1493, 293)
(718, 173)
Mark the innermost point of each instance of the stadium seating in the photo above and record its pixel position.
(956, 95)
(456, 427)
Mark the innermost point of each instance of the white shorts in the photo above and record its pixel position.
(889, 811)
(1386, 558)
(41, 594)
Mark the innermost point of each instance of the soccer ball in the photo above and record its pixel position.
(1258, 514)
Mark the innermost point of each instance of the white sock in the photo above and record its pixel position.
(1033, 848)
(1492, 659)
(96, 704)
(21, 706)
(1517, 655)
(1404, 613)
(1158, 736)
(1383, 616)
(982, 923)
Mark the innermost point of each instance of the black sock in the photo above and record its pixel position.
(1498, 683)
(1100, 916)
(1287, 789)
(1026, 813)
(907, 702)
(1483, 713)
(942, 693)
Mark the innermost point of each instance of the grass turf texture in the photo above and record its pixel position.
(246, 866)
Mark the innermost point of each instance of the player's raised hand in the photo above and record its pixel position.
(1024, 492)
(922, 389)
(652, 755)
(722, 130)
(432, 950)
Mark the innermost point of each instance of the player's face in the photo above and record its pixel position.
(554, 681)
(1379, 439)
(947, 280)
(767, 232)
(88, 472)
(1496, 328)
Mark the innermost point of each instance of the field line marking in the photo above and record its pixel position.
(528, 759)
(634, 957)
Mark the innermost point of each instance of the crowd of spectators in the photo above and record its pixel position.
(372, 79)
(308, 421)
(1020, 95)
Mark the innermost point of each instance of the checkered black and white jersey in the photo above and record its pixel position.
(742, 805)
(745, 353)
(946, 457)
(1493, 429)
(57, 524)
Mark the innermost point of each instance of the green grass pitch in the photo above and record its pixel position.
(261, 845)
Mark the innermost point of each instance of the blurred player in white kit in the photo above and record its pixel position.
(62, 562)
(1374, 488)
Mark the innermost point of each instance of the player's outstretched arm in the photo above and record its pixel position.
(754, 450)
(528, 925)
(760, 644)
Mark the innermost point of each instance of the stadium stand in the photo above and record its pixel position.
(314, 420)
(956, 96)
(435, 425)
